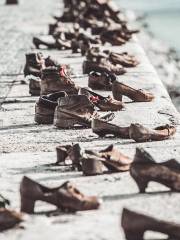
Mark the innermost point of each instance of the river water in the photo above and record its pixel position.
(163, 17)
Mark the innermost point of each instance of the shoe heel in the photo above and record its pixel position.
(64, 123)
(36, 43)
(142, 184)
(27, 205)
(42, 119)
(134, 235)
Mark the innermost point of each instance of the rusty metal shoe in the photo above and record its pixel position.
(101, 80)
(103, 103)
(39, 41)
(135, 225)
(34, 64)
(144, 169)
(120, 89)
(34, 85)
(65, 197)
(70, 153)
(103, 65)
(124, 59)
(9, 219)
(45, 107)
(56, 79)
(112, 38)
(108, 160)
(102, 128)
(75, 110)
(139, 133)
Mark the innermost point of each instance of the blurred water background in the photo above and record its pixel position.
(163, 17)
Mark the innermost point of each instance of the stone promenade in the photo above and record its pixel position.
(28, 149)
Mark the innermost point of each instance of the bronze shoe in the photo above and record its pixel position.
(76, 110)
(50, 44)
(65, 197)
(69, 152)
(124, 59)
(45, 107)
(119, 89)
(101, 80)
(144, 169)
(56, 79)
(139, 133)
(108, 160)
(103, 103)
(102, 128)
(103, 65)
(34, 85)
(34, 64)
(135, 225)
(9, 219)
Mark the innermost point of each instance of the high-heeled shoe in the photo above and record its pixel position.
(119, 89)
(144, 169)
(135, 225)
(107, 160)
(139, 133)
(65, 197)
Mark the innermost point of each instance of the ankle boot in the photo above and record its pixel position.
(144, 169)
(103, 103)
(65, 197)
(101, 80)
(102, 129)
(135, 225)
(45, 107)
(34, 64)
(9, 219)
(55, 79)
(120, 89)
(139, 133)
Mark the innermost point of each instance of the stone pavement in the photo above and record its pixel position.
(28, 149)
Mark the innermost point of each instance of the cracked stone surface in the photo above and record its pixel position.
(28, 149)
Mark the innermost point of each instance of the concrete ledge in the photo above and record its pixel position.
(27, 149)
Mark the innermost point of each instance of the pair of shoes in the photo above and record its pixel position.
(93, 163)
(135, 225)
(66, 197)
(137, 132)
(35, 62)
(66, 110)
(124, 59)
(103, 81)
(144, 169)
(56, 43)
(102, 65)
(109, 160)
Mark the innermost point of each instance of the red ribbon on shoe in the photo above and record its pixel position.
(94, 99)
(63, 71)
